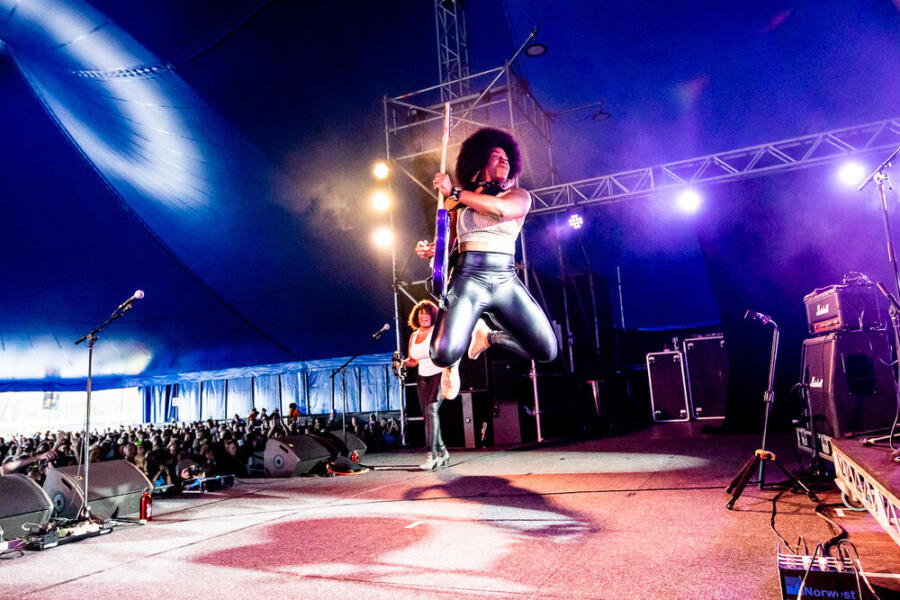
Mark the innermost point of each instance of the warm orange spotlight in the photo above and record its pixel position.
(381, 170)
(383, 237)
(381, 201)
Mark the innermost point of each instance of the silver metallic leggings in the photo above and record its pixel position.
(487, 282)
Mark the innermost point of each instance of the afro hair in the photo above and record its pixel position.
(476, 150)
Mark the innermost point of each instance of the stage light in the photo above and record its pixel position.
(576, 221)
(851, 172)
(383, 237)
(535, 49)
(381, 170)
(689, 200)
(381, 201)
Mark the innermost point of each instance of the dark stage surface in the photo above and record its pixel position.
(641, 515)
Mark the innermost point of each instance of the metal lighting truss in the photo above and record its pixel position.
(865, 489)
(413, 123)
(731, 165)
(453, 52)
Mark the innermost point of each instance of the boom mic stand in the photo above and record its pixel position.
(881, 178)
(91, 337)
(341, 369)
(760, 456)
(895, 325)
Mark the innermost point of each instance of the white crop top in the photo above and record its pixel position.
(473, 226)
(419, 353)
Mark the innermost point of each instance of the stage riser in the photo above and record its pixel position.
(869, 476)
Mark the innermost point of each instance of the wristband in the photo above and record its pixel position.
(455, 192)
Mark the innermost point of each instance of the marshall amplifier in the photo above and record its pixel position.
(844, 307)
(849, 381)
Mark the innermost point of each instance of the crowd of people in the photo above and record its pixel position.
(170, 453)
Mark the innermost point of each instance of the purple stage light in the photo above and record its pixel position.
(689, 201)
(576, 221)
(851, 172)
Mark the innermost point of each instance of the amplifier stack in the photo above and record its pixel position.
(846, 364)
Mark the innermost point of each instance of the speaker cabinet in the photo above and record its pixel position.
(706, 363)
(510, 386)
(22, 501)
(115, 490)
(294, 455)
(850, 383)
(668, 386)
(473, 374)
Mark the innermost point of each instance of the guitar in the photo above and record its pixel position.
(443, 229)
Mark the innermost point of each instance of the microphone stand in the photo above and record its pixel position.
(895, 325)
(769, 397)
(881, 177)
(375, 336)
(761, 455)
(91, 337)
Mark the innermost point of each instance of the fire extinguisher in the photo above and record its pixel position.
(146, 506)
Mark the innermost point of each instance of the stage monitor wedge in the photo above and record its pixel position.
(22, 501)
(294, 455)
(115, 490)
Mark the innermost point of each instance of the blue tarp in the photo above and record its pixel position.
(368, 382)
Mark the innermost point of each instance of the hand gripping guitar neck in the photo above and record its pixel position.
(440, 275)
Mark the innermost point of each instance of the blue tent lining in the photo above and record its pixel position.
(105, 383)
(367, 381)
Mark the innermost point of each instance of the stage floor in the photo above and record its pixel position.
(634, 516)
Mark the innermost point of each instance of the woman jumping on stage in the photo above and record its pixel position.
(421, 320)
(484, 280)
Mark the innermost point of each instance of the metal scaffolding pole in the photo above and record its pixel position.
(394, 285)
(533, 372)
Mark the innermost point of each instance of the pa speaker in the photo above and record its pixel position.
(473, 374)
(668, 386)
(706, 364)
(294, 455)
(22, 501)
(850, 383)
(114, 489)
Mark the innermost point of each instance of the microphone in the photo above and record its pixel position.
(378, 333)
(138, 294)
(882, 168)
(764, 319)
